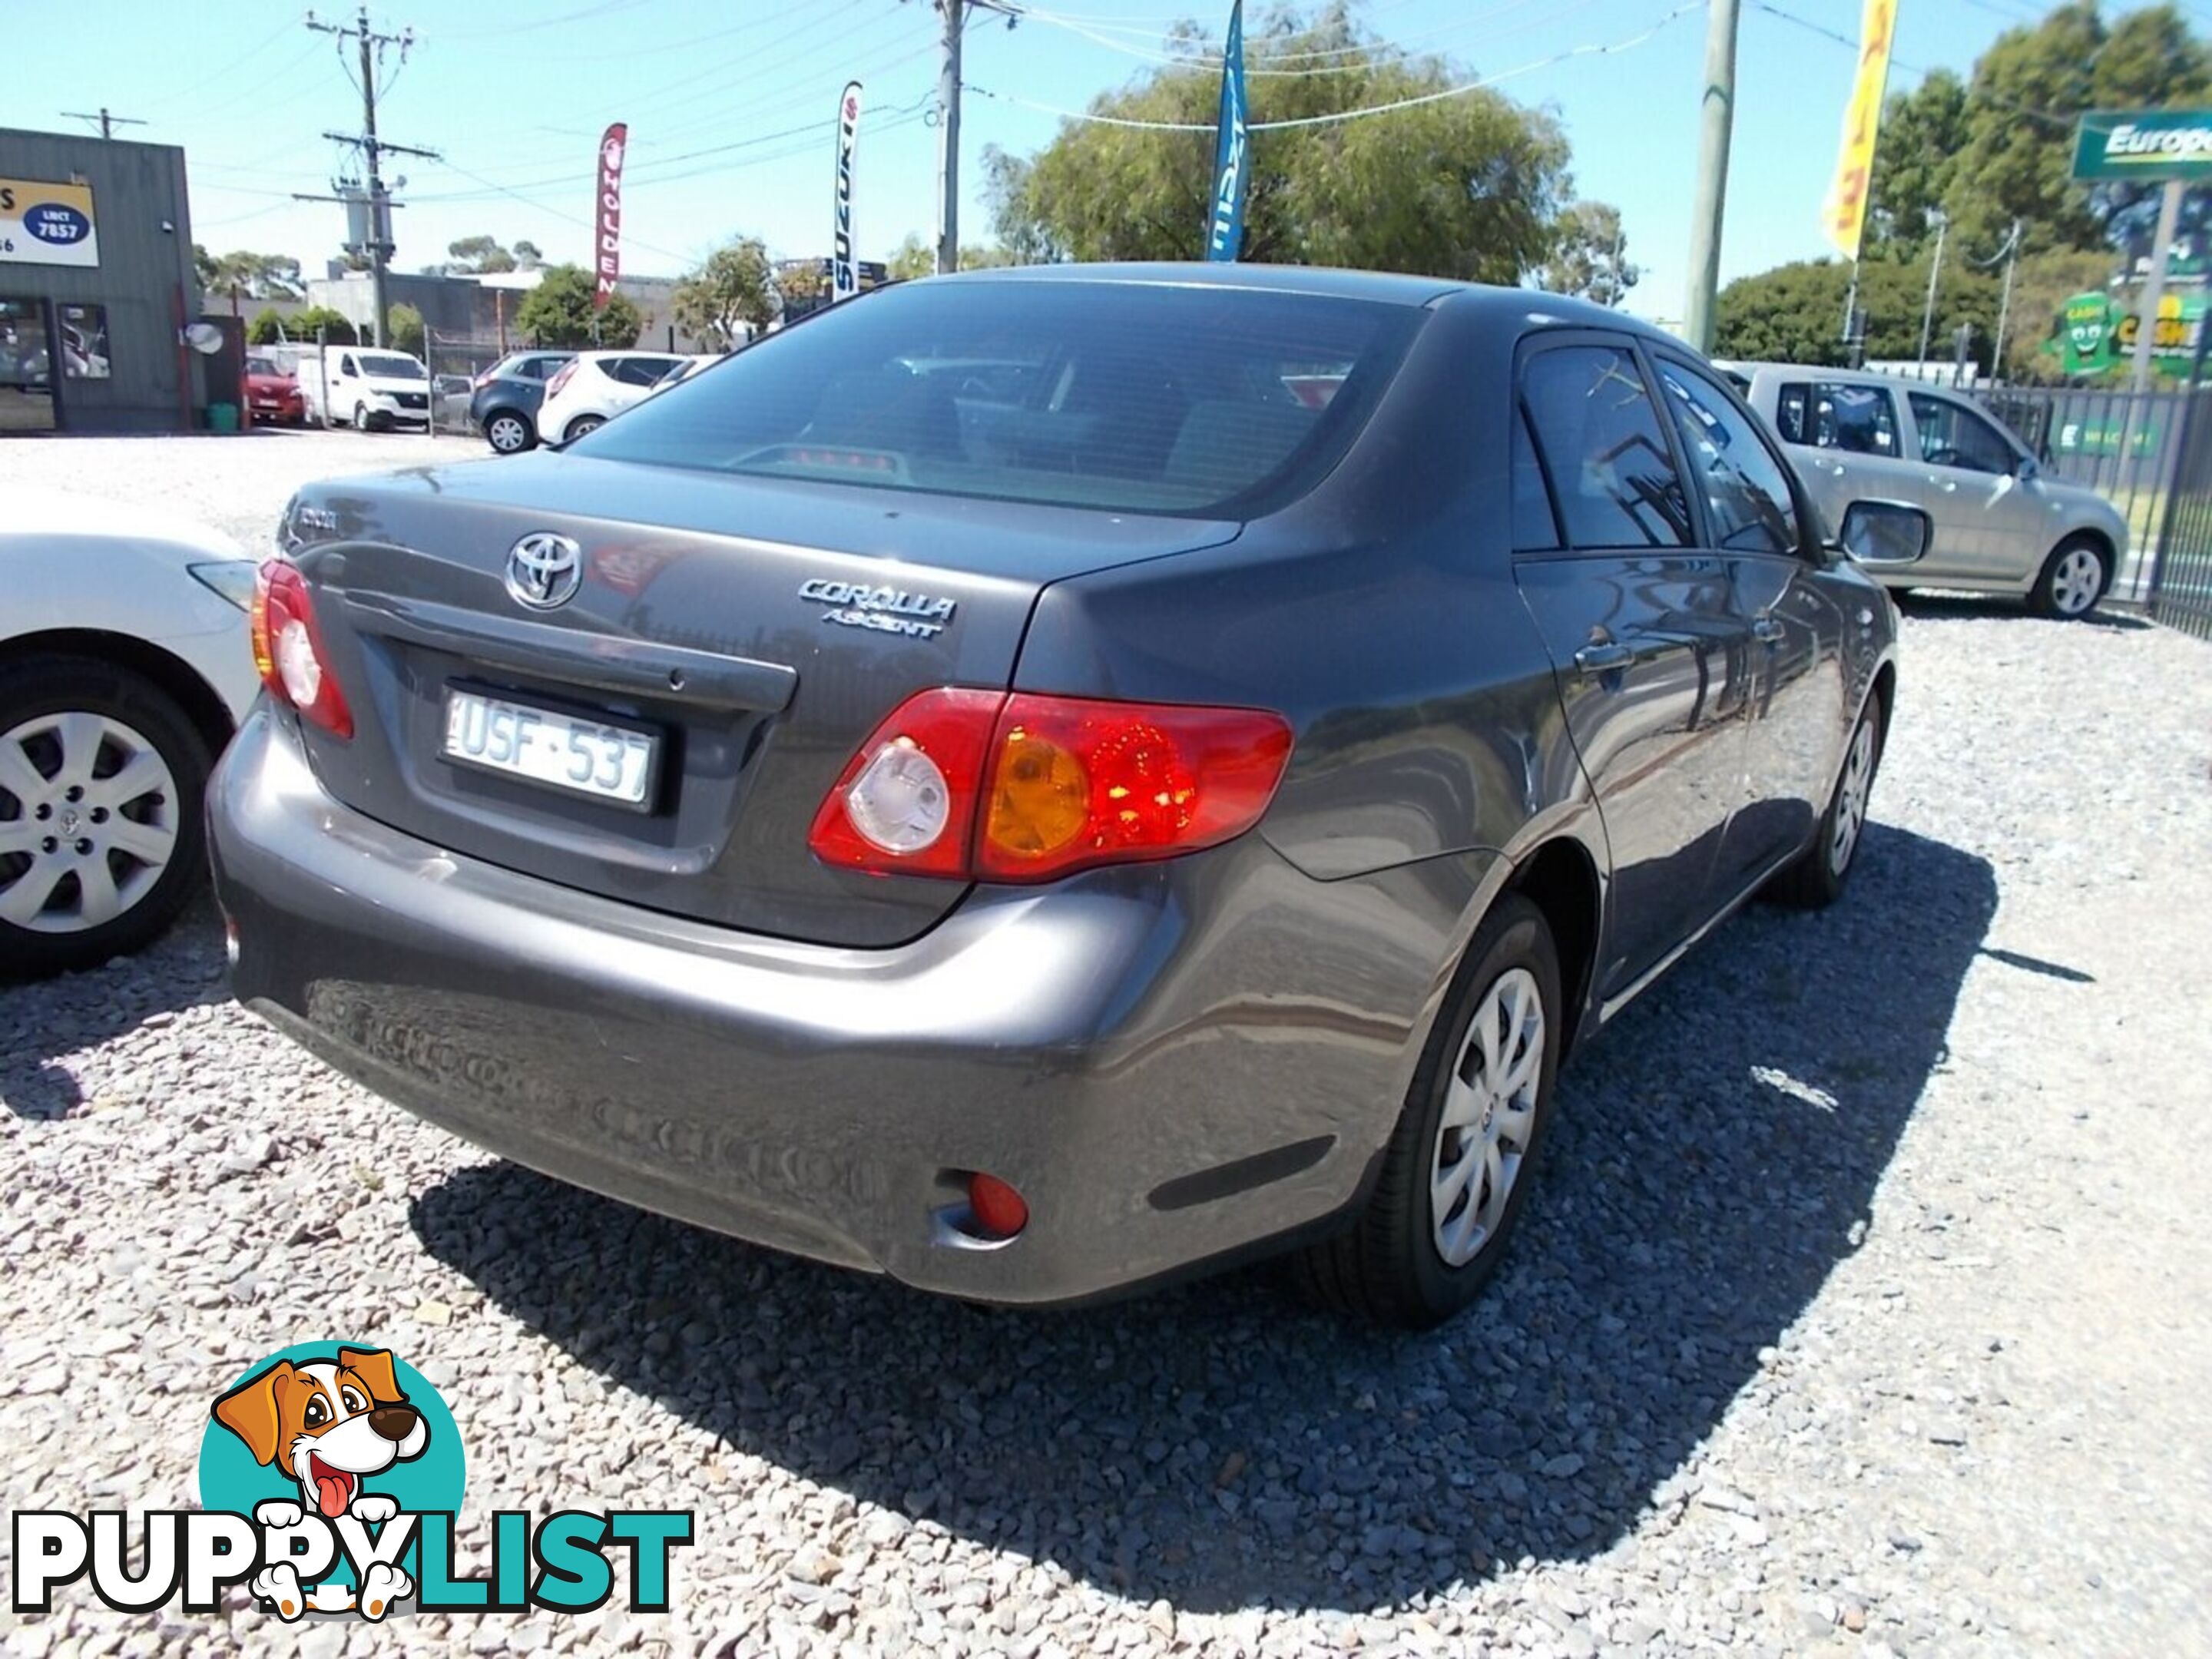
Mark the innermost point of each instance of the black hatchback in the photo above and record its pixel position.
(505, 403)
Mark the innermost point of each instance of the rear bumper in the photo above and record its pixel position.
(1088, 1043)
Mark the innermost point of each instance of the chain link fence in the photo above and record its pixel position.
(455, 361)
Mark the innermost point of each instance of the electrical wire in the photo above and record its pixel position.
(2051, 117)
(1212, 59)
(1593, 49)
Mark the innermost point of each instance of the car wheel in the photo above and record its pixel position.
(582, 424)
(2073, 579)
(1464, 1150)
(102, 778)
(361, 417)
(1816, 879)
(507, 432)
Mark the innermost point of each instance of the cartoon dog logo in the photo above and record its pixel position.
(327, 1424)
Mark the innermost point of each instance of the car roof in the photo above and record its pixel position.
(1829, 372)
(1384, 287)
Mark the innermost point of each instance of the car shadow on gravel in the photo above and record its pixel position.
(1219, 1446)
(44, 1021)
(1934, 606)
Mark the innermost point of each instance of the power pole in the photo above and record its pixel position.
(1715, 122)
(2010, 254)
(104, 121)
(1935, 272)
(955, 15)
(378, 236)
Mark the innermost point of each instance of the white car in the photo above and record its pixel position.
(366, 387)
(592, 387)
(125, 663)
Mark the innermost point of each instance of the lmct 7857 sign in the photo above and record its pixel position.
(46, 224)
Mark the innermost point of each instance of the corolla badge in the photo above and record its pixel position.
(544, 570)
(884, 610)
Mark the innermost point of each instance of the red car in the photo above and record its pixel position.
(272, 393)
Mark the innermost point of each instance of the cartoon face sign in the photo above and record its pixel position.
(327, 1424)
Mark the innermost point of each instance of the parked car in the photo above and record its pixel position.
(504, 403)
(1031, 858)
(453, 393)
(272, 391)
(124, 666)
(367, 387)
(686, 369)
(2002, 525)
(592, 387)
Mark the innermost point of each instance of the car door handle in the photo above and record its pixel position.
(1950, 486)
(1766, 628)
(1603, 657)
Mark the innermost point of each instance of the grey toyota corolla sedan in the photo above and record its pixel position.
(1040, 780)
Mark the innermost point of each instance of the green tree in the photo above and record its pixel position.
(911, 258)
(527, 256)
(267, 327)
(403, 329)
(474, 256)
(1923, 133)
(1794, 312)
(337, 328)
(253, 276)
(732, 293)
(558, 313)
(1467, 187)
(1587, 258)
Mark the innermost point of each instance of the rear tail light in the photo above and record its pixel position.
(561, 376)
(1021, 788)
(288, 649)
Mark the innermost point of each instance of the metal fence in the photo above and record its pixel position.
(2180, 593)
(455, 361)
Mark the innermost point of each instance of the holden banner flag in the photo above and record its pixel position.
(1225, 232)
(1843, 214)
(606, 254)
(844, 275)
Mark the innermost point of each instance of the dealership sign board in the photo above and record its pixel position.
(46, 224)
(2156, 144)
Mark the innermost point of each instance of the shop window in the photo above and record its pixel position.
(84, 342)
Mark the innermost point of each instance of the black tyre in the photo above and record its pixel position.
(508, 432)
(1465, 1149)
(582, 424)
(361, 420)
(2074, 578)
(1816, 879)
(102, 778)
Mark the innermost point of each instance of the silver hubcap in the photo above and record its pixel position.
(1851, 797)
(2074, 584)
(87, 822)
(1489, 1117)
(506, 434)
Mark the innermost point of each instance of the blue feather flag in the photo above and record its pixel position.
(1224, 230)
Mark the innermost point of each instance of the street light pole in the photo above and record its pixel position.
(1934, 274)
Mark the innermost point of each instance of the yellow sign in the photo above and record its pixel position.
(46, 224)
(1843, 214)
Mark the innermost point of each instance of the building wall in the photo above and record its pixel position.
(144, 277)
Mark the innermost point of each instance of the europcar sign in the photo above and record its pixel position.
(2154, 144)
(46, 224)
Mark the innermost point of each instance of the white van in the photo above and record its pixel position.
(368, 387)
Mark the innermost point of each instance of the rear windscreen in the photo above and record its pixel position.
(1140, 398)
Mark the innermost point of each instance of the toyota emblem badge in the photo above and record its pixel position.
(544, 571)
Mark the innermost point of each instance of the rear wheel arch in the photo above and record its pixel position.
(172, 673)
(1560, 878)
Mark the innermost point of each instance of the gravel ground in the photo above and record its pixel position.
(1861, 1309)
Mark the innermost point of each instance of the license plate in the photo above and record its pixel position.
(586, 756)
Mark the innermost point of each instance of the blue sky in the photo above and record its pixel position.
(732, 108)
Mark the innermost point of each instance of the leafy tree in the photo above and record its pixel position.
(1923, 133)
(911, 258)
(267, 327)
(731, 295)
(1587, 255)
(558, 313)
(337, 328)
(527, 257)
(403, 329)
(254, 276)
(1467, 187)
(474, 256)
(1794, 312)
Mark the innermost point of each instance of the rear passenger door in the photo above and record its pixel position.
(1795, 726)
(1650, 647)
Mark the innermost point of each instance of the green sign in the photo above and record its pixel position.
(2153, 143)
(2096, 332)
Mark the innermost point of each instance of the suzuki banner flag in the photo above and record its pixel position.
(607, 253)
(1225, 225)
(1843, 214)
(844, 276)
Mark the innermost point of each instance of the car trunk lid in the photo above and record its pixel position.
(750, 633)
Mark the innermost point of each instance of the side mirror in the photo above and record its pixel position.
(1885, 532)
(2027, 470)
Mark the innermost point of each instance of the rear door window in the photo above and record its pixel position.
(1143, 397)
(1860, 420)
(1748, 506)
(1599, 435)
